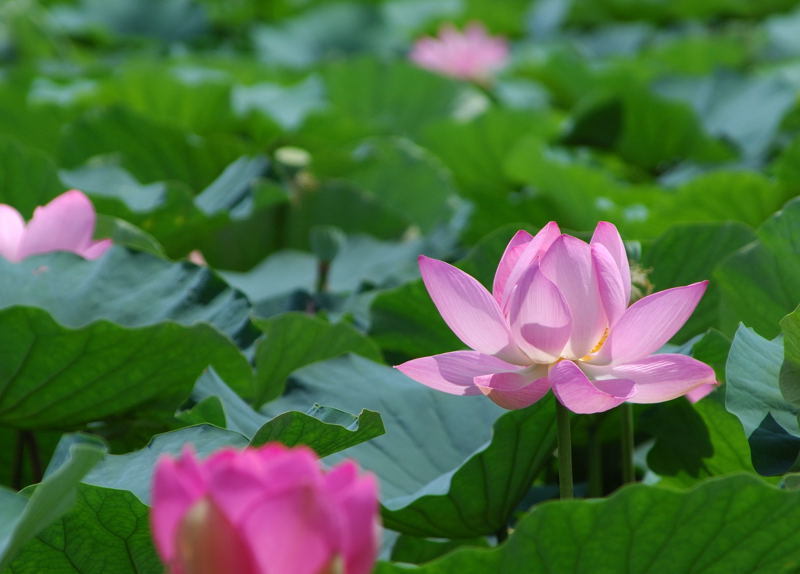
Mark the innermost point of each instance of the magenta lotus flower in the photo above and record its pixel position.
(65, 224)
(558, 318)
(266, 510)
(471, 55)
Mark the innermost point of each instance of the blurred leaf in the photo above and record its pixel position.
(646, 530)
(286, 105)
(123, 233)
(21, 518)
(28, 178)
(745, 110)
(790, 370)
(149, 150)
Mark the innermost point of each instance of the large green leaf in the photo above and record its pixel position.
(132, 289)
(106, 531)
(761, 282)
(737, 524)
(56, 377)
(443, 472)
(293, 340)
(21, 518)
(753, 394)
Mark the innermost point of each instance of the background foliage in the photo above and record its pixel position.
(293, 144)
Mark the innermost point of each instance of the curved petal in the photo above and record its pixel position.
(357, 500)
(701, 392)
(568, 264)
(177, 485)
(469, 310)
(649, 323)
(237, 481)
(532, 251)
(609, 282)
(95, 249)
(208, 542)
(296, 532)
(606, 234)
(661, 378)
(64, 224)
(12, 228)
(454, 372)
(515, 390)
(508, 261)
(540, 319)
(583, 396)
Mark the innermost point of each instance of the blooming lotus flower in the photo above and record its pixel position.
(558, 318)
(471, 55)
(65, 224)
(267, 510)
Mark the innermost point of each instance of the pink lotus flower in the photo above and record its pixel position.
(558, 318)
(65, 224)
(267, 510)
(473, 55)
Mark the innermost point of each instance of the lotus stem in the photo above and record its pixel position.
(564, 451)
(628, 472)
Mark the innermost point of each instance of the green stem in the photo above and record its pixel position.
(595, 460)
(19, 462)
(36, 462)
(628, 472)
(564, 451)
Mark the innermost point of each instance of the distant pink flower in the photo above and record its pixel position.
(266, 510)
(196, 257)
(558, 318)
(65, 224)
(471, 55)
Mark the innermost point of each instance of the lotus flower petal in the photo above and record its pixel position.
(581, 395)
(649, 323)
(469, 310)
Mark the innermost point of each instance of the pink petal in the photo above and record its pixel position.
(540, 319)
(95, 249)
(209, 543)
(12, 228)
(177, 486)
(518, 264)
(508, 261)
(609, 282)
(649, 323)
(701, 392)
(515, 390)
(454, 372)
(296, 532)
(357, 500)
(606, 234)
(469, 310)
(64, 224)
(568, 264)
(583, 396)
(236, 483)
(660, 378)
